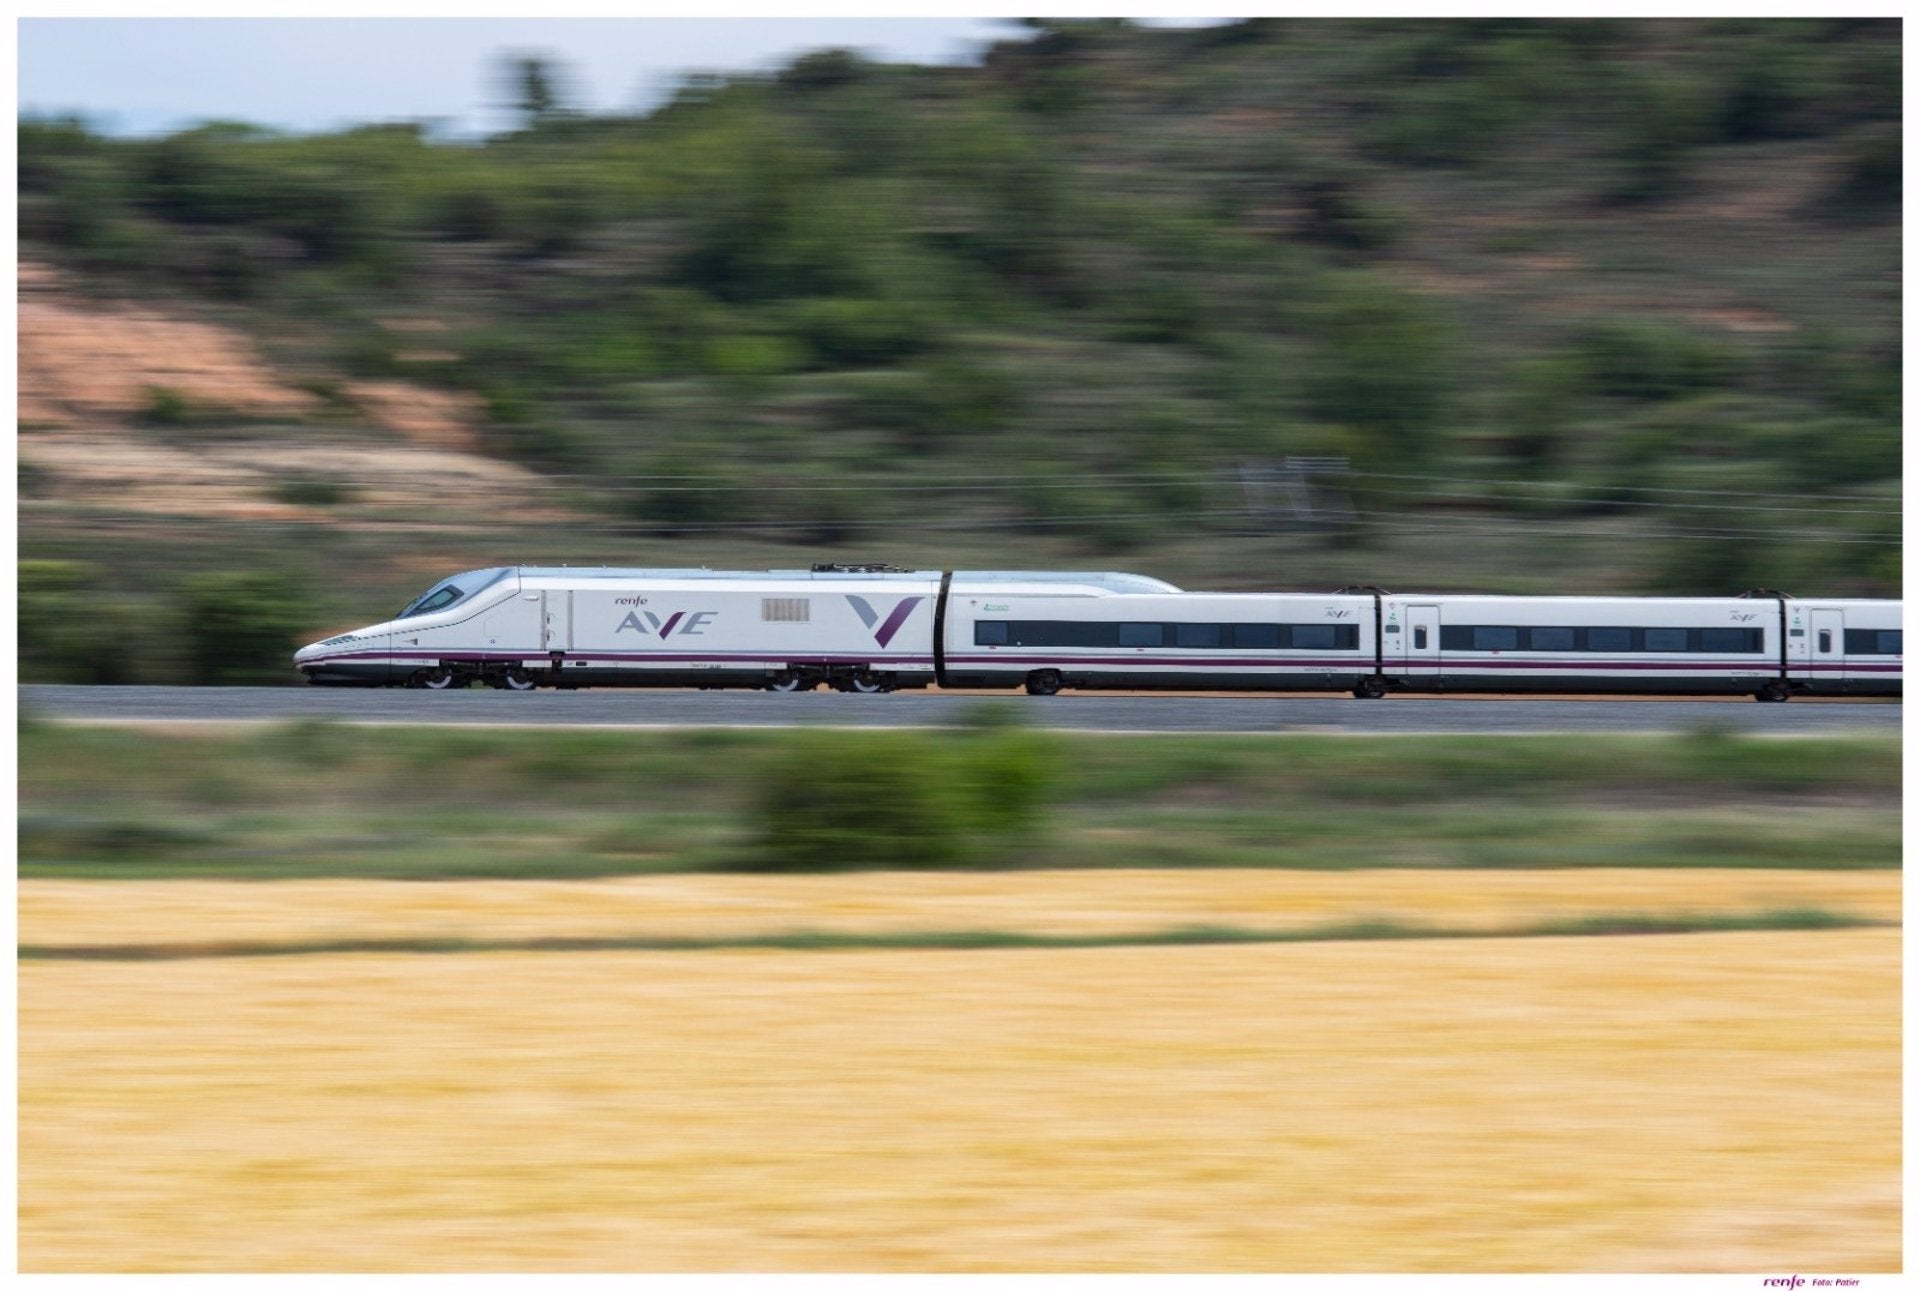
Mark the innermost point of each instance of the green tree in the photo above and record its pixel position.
(534, 90)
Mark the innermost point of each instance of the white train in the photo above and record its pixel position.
(876, 628)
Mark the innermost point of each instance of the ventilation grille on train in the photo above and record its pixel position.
(786, 609)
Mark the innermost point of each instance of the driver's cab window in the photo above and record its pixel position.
(440, 597)
(438, 601)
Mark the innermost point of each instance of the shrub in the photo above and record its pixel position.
(313, 491)
(44, 576)
(1159, 310)
(823, 69)
(1663, 118)
(845, 801)
(74, 631)
(1697, 562)
(114, 840)
(948, 402)
(1382, 365)
(1642, 359)
(1004, 774)
(1775, 86)
(686, 494)
(1842, 451)
(851, 800)
(745, 361)
(1536, 409)
(820, 513)
(1101, 519)
(850, 332)
(240, 628)
(1337, 213)
(1871, 173)
(167, 407)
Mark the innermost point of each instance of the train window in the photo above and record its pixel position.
(1665, 639)
(1325, 636)
(1496, 638)
(440, 600)
(1256, 636)
(447, 591)
(1730, 640)
(1044, 632)
(1609, 639)
(1549, 638)
(1872, 641)
(1420, 638)
(1197, 636)
(1143, 634)
(990, 633)
(1825, 637)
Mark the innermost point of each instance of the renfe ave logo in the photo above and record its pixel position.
(681, 623)
(688, 625)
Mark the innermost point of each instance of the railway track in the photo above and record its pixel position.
(1103, 711)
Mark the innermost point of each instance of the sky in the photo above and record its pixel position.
(156, 75)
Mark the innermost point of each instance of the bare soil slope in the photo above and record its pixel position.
(92, 370)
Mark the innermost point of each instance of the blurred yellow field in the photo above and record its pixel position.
(1727, 1101)
(1061, 902)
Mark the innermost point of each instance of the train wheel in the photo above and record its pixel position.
(431, 679)
(1044, 682)
(868, 684)
(1774, 692)
(1370, 688)
(784, 684)
(516, 680)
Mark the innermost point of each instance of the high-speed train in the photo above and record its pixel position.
(871, 628)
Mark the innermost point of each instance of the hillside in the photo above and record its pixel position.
(1613, 304)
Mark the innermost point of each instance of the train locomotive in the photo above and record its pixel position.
(873, 628)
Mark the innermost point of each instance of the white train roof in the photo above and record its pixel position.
(1111, 581)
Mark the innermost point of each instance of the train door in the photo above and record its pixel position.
(1423, 641)
(513, 624)
(1393, 637)
(557, 614)
(1828, 629)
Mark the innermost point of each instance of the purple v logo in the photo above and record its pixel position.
(869, 616)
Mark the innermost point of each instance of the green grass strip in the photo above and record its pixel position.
(982, 939)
